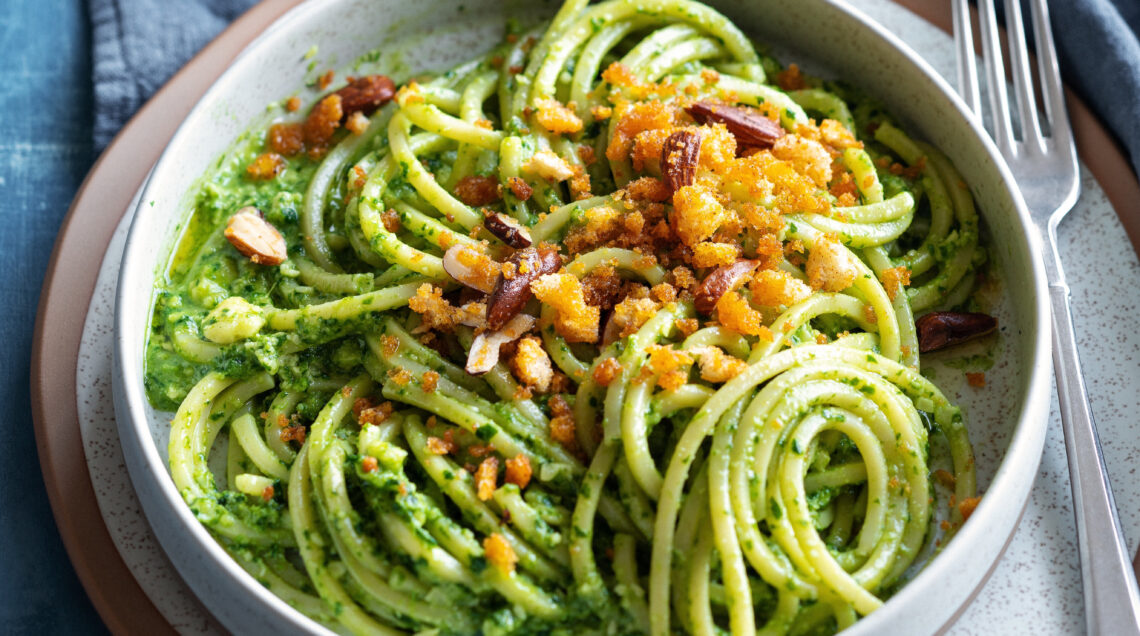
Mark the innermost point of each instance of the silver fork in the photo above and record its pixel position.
(1045, 167)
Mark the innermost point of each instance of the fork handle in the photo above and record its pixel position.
(1112, 600)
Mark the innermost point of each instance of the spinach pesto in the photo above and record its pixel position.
(609, 330)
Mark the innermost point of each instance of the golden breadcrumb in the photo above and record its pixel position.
(574, 319)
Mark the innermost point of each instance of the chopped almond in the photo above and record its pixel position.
(549, 166)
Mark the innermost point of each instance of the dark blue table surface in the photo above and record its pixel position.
(45, 150)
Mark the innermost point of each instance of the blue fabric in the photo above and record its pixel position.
(139, 44)
(45, 149)
(1097, 42)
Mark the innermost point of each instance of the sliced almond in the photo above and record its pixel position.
(748, 126)
(253, 236)
(722, 280)
(679, 156)
(484, 354)
(470, 267)
(549, 166)
(508, 230)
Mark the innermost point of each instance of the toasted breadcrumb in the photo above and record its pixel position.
(696, 214)
(894, 279)
(487, 477)
(477, 190)
(976, 380)
(562, 426)
(521, 189)
(717, 366)
(945, 478)
(531, 364)
(265, 166)
(286, 139)
(574, 320)
(293, 104)
(709, 254)
(429, 381)
(557, 118)
(374, 415)
(790, 79)
(631, 313)
(518, 471)
(606, 371)
(500, 553)
(435, 311)
(369, 464)
(357, 123)
(831, 266)
(442, 445)
(967, 506)
(400, 375)
(687, 326)
(735, 313)
(777, 288)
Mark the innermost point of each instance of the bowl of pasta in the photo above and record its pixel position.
(636, 316)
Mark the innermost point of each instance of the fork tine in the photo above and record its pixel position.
(995, 76)
(967, 70)
(1051, 88)
(1022, 77)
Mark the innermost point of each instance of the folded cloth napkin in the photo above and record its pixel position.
(139, 44)
(1099, 49)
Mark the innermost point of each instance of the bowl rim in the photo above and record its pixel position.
(146, 467)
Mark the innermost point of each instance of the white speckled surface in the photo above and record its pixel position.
(1037, 583)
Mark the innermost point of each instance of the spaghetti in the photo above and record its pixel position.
(608, 330)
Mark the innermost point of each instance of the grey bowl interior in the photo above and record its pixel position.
(1007, 420)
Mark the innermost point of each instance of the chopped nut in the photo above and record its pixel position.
(679, 158)
(507, 230)
(749, 126)
(366, 94)
(549, 166)
(510, 294)
(941, 329)
(531, 364)
(256, 238)
(722, 280)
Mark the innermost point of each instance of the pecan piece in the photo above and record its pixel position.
(722, 280)
(510, 294)
(679, 156)
(253, 236)
(749, 127)
(941, 329)
(366, 94)
(507, 230)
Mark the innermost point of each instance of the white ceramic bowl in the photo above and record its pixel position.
(1008, 418)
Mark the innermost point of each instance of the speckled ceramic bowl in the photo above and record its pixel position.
(1007, 420)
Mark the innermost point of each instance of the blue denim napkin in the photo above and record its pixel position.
(1100, 59)
(139, 44)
